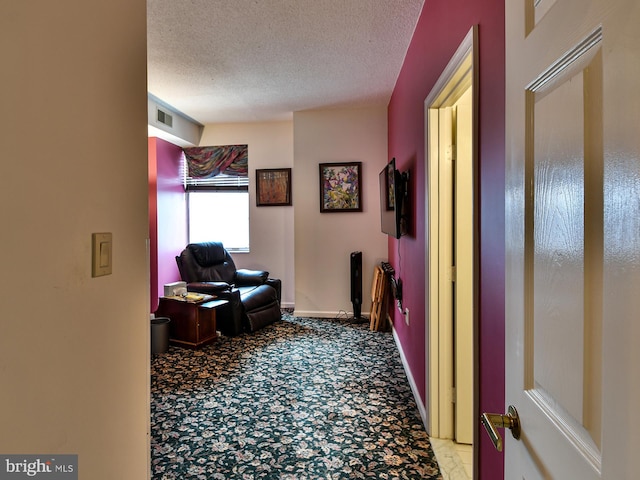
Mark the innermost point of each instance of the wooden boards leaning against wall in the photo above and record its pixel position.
(379, 299)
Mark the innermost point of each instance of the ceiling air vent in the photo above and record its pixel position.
(165, 118)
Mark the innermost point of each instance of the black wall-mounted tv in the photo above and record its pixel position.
(393, 193)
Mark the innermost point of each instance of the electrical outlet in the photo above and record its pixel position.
(406, 316)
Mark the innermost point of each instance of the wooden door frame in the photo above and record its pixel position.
(460, 73)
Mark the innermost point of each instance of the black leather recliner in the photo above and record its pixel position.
(254, 298)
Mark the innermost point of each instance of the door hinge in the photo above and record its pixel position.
(450, 154)
(453, 395)
(453, 273)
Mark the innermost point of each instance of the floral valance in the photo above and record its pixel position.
(207, 162)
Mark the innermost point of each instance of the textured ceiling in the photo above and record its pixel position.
(261, 60)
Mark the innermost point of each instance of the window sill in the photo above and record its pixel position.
(238, 250)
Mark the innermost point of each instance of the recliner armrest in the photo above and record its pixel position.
(211, 288)
(251, 277)
(276, 283)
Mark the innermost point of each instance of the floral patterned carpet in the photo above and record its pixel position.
(299, 399)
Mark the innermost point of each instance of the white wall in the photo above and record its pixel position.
(272, 247)
(74, 350)
(324, 241)
(310, 251)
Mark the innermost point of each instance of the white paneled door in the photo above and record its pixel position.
(573, 238)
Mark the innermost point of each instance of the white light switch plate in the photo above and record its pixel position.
(101, 254)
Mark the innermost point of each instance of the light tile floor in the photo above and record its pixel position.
(455, 459)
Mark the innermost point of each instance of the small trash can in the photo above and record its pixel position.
(160, 335)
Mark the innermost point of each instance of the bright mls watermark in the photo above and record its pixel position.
(49, 467)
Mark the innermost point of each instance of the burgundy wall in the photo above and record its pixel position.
(441, 28)
(167, 215)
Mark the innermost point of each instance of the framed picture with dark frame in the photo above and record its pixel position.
(273, 187)
(341, 187)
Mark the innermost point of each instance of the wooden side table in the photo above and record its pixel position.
(193, 324)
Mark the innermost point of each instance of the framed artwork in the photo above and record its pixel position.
(273, 187)
(341, 187)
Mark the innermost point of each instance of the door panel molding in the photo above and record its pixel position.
(561, 87)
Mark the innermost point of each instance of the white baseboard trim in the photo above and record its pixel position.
(325, 314)
(287, 305)
(414, 388)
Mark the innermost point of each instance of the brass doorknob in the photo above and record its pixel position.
(493, 421)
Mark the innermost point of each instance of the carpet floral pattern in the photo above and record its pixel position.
(300, 399)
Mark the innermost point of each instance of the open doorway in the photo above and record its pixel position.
(450, 111)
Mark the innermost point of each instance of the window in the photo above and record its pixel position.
(217, 188)
(221, 216)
